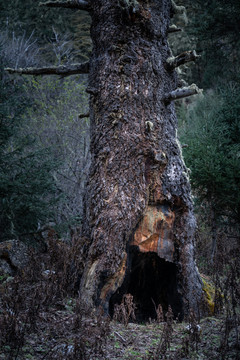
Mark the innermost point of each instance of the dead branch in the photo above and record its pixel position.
(181, 59)
(182, 92)
(120, 337)
(70, 4)
(173, 29)
(53, 70)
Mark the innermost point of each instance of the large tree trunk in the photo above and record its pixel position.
(139, 209)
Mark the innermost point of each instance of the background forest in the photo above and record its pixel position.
(44, 144)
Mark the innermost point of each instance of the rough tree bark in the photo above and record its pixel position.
(139, 214)
(138, 194)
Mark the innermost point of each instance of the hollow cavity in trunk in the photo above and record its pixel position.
(152, 281)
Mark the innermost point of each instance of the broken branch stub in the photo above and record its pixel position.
(173, 29)
(181, 59)
(70, 4)
(53, 70)
(182, 92)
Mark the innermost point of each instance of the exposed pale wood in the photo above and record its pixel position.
(53, 70)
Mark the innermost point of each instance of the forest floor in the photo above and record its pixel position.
(41, 318)
(57, 333)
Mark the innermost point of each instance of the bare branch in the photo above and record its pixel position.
(70, 4)
(120, 337)
(182, 92)
(53, 70)
(173, 29)
(181, 59)
(82, 116)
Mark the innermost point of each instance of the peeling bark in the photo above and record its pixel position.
(138, 192)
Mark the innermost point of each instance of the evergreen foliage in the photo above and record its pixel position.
(211, 130)
(46, 115)
(26, 17)
(210, 125)
(55, 121)
(16, 14)
(27, 187)
(215, 26)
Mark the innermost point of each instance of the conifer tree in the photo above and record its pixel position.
(27, 188)
(211, 132)
(215, 26)
(138, 206)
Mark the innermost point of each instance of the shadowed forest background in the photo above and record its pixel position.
(44, 160)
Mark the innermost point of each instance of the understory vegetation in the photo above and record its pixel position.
(44, 160)
(42, 317)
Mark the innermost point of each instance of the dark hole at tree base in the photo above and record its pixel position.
(152, 281)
